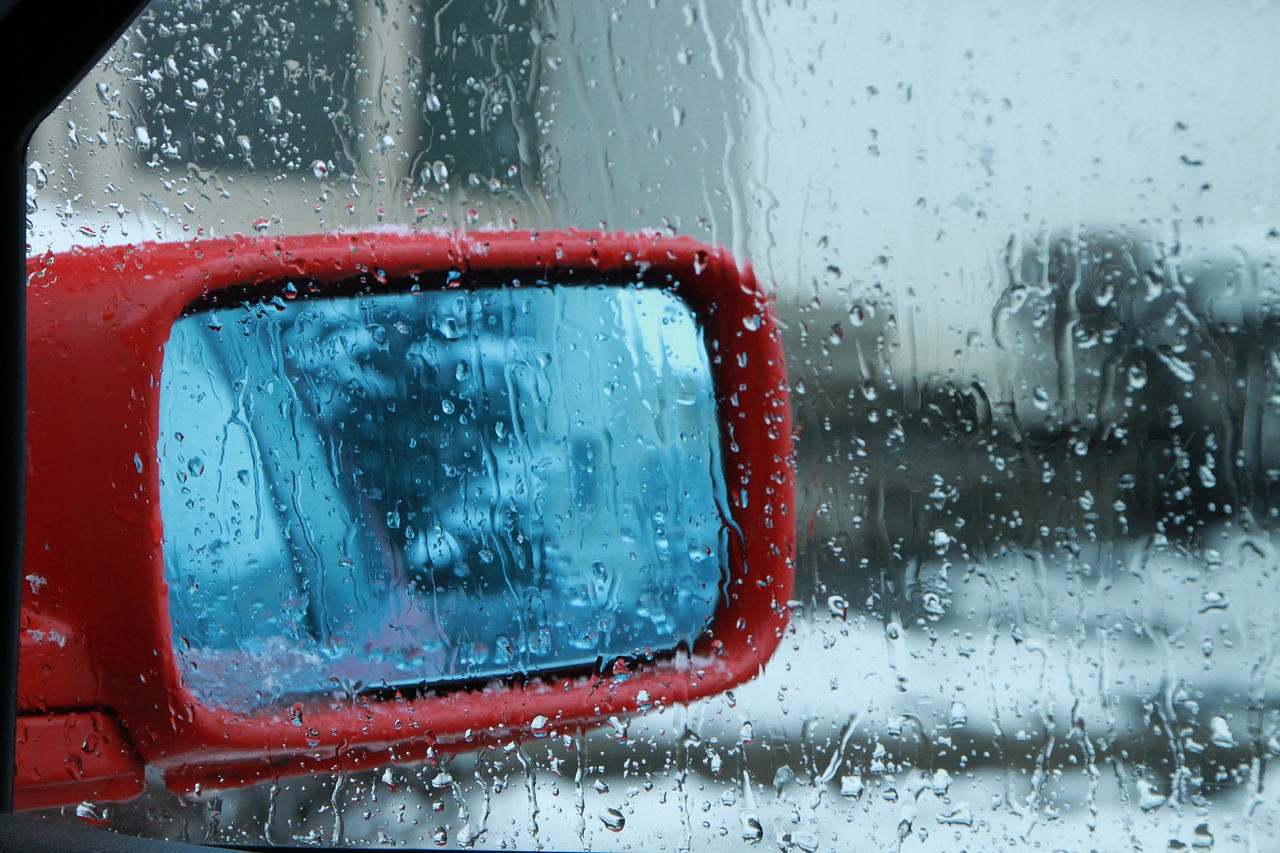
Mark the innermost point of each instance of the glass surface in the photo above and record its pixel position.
(1024, 256)
(412, 488)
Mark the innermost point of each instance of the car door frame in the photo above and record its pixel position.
(25, 25)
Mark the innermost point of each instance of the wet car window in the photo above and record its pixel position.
(424, 487)
(1025, 260)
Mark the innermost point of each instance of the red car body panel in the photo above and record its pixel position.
(100, 687)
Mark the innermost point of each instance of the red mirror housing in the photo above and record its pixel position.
(100, 689)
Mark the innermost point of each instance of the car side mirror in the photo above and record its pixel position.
(326, 502)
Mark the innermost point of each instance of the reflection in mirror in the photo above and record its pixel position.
(426, 487)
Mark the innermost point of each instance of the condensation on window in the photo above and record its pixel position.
(1025, 257)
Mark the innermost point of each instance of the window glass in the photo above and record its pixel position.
(1024, 255)
(455, 103)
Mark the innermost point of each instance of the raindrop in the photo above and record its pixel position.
(781, 779)
(1214, 601)
(851, 786)
(1149, 797)
(961, 815)
(1137, 376)
(89, 813)
(804, 841)
(941, 541)
(1220, 734)
(1179, 368)
(613, 819)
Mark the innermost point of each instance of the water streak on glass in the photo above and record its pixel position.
(430, 487)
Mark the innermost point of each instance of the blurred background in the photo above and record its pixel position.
(1025, 258)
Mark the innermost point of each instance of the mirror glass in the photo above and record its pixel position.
(426, 487)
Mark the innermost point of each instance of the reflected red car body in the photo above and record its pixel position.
(101, 696)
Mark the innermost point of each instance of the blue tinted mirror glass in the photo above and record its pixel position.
(420, 488)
